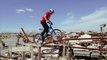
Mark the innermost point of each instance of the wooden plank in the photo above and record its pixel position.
(25, 34)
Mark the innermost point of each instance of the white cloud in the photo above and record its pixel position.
(99, 14)
(31, 16)
(24, 10)
(86, 23)
(20, 10)
(69, 14)
(68, 20)
(29, 9)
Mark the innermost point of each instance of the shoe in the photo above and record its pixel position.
(47, 35)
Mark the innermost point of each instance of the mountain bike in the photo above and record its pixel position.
(55, 34)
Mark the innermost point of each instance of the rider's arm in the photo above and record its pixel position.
(45, 16)
(47, 19)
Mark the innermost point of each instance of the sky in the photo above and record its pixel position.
(70, 15)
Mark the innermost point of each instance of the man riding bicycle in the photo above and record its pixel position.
(46, 19)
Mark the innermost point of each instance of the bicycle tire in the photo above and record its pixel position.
(56, 34)
(37, 38)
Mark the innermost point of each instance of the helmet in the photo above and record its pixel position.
(51, 10)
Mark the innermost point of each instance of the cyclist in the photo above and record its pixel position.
(46, 19)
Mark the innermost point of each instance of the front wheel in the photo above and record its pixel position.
(56, 34)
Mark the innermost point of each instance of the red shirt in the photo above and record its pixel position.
(48, 15)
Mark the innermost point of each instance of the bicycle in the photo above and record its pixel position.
(56, 34)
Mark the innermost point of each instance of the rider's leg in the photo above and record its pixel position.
(43, 32)
(46, 28)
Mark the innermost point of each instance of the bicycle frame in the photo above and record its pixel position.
(50, 27)
(55, 34)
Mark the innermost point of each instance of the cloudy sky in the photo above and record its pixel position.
(70, 15)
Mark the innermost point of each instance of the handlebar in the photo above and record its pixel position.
(50, 25)
(50, 22)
